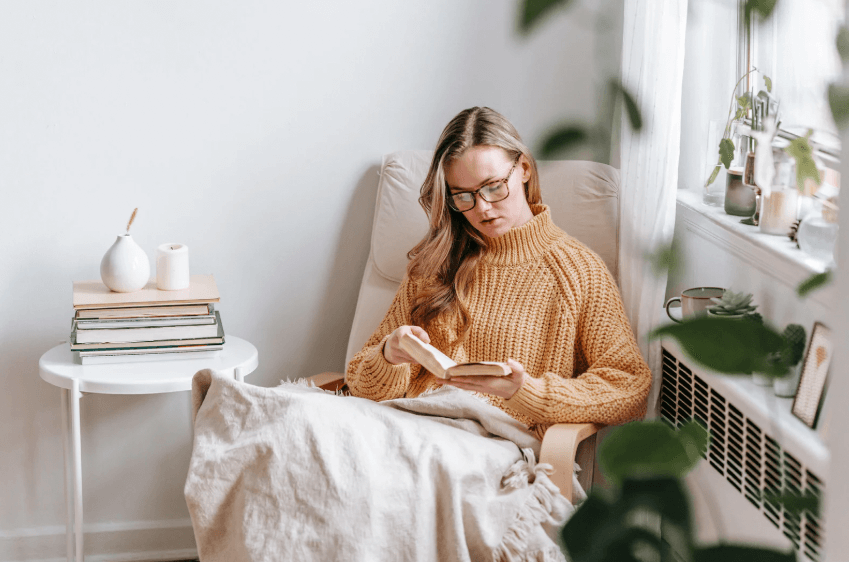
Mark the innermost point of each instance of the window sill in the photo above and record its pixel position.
(777, 256)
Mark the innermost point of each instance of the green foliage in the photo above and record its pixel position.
(768, 83)
(762, 7)
(713, 174)
(793, 347)
(795, 503)
(602, 529)
(534, 11)
(726, 152)
(664, 261)
(650, 449)
(562, 139)
(634, 116)
(734, 553)
(727, 345)
(838, 100)
(842, 43)
(813, 283)
(800, 150)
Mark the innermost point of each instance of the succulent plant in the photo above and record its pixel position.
(733, 304)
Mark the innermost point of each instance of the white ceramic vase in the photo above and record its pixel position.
(125, 267)
(786, 386)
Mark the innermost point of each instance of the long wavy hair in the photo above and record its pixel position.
(448, 254)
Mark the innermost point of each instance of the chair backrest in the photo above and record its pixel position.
(583, 197)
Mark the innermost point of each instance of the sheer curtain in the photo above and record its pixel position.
(652, 70)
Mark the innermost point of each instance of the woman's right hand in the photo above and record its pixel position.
(392, 348)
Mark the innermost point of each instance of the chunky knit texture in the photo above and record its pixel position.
(549, 302)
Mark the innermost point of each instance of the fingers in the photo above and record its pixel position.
(419, 333)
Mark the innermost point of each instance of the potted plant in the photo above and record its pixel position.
(734, 305)
(792, 349)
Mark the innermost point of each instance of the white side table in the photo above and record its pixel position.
(60, 368)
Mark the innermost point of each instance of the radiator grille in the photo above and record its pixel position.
(747, 457)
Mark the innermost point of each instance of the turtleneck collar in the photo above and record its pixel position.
(524, 243)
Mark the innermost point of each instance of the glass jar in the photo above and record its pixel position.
(739, 196)
(817, 233)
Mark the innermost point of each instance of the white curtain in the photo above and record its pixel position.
(652, 71)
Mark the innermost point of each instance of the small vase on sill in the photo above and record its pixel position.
(785, 387)
(125, 267)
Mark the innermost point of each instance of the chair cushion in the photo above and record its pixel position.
(583, 196)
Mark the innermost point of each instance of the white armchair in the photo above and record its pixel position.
(584, 201)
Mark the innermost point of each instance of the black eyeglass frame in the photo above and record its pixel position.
(505, 181)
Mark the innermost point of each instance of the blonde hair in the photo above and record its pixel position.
(447, 255)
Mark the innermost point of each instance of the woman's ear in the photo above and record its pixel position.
(526, 168)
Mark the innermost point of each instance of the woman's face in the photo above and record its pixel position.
(483, 166)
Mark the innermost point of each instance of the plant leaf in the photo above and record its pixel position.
(726, 345)
(713, 175)
(726, 152)
(843, 43)
(762, 7)
(665, 260)
(534, 11)
(744, 101)
(800, 150)
(634, 115)
(649, 449)
(838, 100)
(813, 283)
(768, 82)
(796, 503)
(735, 553)
(563, 138)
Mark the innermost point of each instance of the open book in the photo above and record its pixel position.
(444, 367)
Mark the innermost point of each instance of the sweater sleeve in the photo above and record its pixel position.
(369, 374)
(615, 385)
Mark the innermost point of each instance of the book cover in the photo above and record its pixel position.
(94, 294)
(218, 339)
(165, 311)
(145, 357)
(96, 324)
(152, 351)
(444, 367)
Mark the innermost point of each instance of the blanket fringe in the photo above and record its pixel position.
(545, 504)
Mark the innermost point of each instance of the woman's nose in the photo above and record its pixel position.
(482, 204)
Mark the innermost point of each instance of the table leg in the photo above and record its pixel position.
(78, 469)
(239, 374)
(66, 447)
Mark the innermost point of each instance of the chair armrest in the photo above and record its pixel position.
(560, 448)
(328, 381)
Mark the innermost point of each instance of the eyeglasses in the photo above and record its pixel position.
(491, 193)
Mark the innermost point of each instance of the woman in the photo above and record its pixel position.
(495, 280)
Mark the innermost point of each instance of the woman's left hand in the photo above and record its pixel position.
(505, 387)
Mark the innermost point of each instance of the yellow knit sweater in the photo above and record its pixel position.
(544, 299)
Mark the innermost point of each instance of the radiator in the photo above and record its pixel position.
(756, 445)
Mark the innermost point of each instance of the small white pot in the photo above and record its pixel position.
(125, 267)
(786, 386)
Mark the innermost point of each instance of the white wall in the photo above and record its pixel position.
(251, 132)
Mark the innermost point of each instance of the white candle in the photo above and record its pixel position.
(172, 267)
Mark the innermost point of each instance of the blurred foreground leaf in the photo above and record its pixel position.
(534, 11)
(651, 448)
(838, 100)
(564, 138)
(842, 43)
(768, 82)
(634, 115)
(732, 346)
(726, 152)
(729, 553)
(762, 7)
(664, 260)
(813, 283)
(796, 503)
(800, 150)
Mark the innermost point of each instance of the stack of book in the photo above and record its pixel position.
(146, 325)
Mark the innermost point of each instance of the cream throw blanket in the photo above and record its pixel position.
(296, 473)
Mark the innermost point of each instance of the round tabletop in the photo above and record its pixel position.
(60, 366)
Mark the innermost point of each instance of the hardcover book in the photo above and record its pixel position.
(94, 294)
(444, 367)
(166, 311)
(217, 339)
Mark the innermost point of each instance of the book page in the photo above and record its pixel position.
(428, 356)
